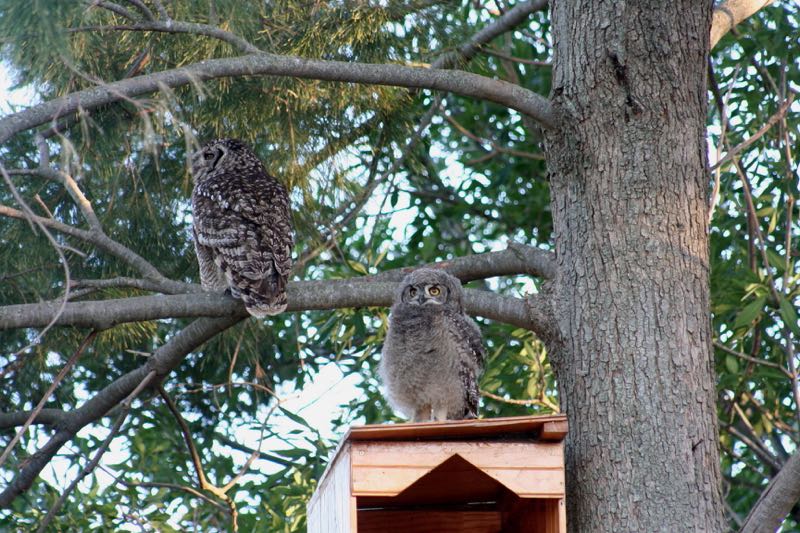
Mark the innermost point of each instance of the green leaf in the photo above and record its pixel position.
(750, 313)
(732, 364)
(789, 315)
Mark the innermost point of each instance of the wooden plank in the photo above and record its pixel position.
(529, 483)
(383, 521)
(562, 516)
(521, 426)
(528, 469)
(554, 431)
(481, 454)
(331, 507)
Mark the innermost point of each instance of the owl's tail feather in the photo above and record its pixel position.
(267, 298)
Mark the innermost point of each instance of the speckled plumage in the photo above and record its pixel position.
(242, 226)
(433, 355)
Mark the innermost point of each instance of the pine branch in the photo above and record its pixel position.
(463, 83)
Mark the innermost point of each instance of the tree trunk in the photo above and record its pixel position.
(629, 187)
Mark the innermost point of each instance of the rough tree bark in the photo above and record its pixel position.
(629, 186)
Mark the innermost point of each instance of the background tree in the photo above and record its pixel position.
(434, 154)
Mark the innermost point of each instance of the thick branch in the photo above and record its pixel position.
(516, 259)
(463, 83)
(162, 362)
(303, 296)
(377, 290)
(47, 417)
(777, 500)
(730, 13)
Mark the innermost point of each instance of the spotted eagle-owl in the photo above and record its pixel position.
(433, 354)
(242, 226)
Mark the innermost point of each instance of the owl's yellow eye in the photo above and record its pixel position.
(434, 291)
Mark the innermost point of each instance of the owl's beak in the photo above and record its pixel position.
(423, 299)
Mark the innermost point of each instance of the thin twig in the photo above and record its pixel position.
(114, 8)
(165, 286)
(531, 401)
(746, 357)
(99, 239)
(63, 372)
(496, 147)
(771, 121)
(190, 490)
(369, 188)
(126, 406)
(220, 493)
(757, 446)
(178, 27)
(502, 55)
(161, 10)
(165, 358)
(33, 220)
(722, 106)
(235, 354)
(143, 8)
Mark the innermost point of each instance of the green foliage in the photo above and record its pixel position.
(755, 72)
(475, 180)
(326, 141)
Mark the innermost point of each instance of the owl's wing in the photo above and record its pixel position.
(473, 358)
(471, 394)
(247, 226)
(469, 337)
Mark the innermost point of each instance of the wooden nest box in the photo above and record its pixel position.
(474, 476)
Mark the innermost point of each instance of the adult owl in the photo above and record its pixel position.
(242, 226)
(433, 354)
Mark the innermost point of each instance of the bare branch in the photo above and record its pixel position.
(190, 490)
(114, 8)
(506, 22)
(202, 480)
(372, 183)
(265, 456)
(98, 238)
(508, 57)
(516, 259)
(166, 358)
(757, 447)
(303, 296)
(368, 291)
(143, 9)
(463, 83)
(71, 185)
(33, 220)
(47, 417)
(777, 500)
(61, 374)
(161, 11)
(91, 465)
(730, 13)
(754, 360)
(771, 121)
(180, 27)
(162, 286)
